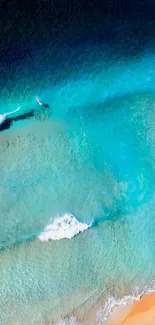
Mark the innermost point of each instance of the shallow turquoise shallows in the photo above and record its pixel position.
(92, 155)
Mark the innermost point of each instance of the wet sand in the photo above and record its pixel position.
(140, 312)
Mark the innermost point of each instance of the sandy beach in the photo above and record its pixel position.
(140, 312)
(137, 313)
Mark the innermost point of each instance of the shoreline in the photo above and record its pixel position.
(137, 312)
(129, 310)
(142, 312)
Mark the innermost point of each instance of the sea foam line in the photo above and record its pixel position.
(113, 302)
(66, 226)
(71, 321)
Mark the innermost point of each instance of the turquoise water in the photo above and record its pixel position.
(93, 156)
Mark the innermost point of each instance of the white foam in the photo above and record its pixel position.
(110, 305)
(71, 321)
(66, 226)
(113, 302)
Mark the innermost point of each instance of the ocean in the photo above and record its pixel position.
(77, 180)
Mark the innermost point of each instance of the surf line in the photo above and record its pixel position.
(66, 226)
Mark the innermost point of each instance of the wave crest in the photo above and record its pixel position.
(66, 226)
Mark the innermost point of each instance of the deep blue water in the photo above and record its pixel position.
(91, 155)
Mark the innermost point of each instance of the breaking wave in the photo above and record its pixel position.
(66, 226)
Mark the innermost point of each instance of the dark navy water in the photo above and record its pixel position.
(90, 154)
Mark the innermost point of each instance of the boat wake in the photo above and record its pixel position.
(66, 226)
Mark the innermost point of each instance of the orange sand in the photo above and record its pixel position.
(141, 313)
